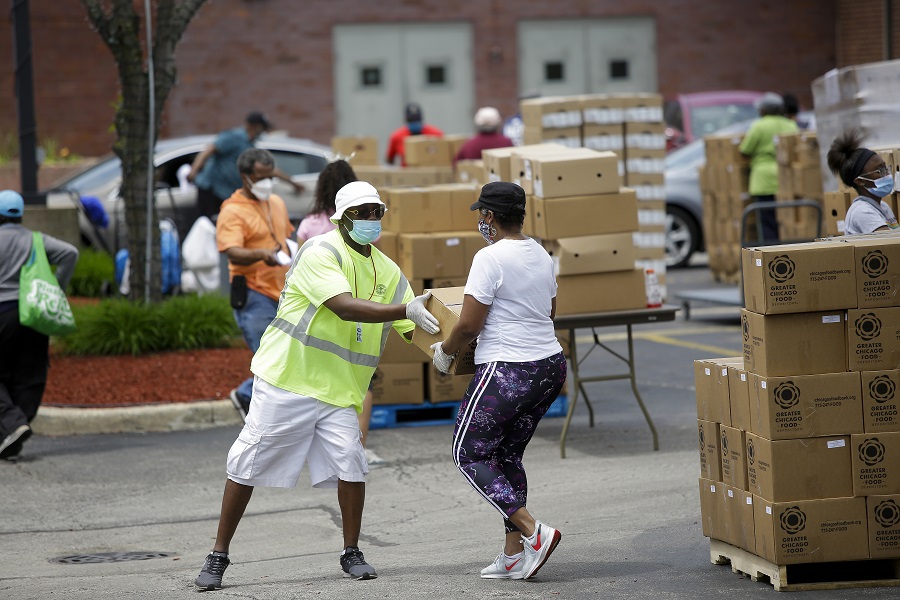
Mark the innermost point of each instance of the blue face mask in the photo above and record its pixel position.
(883, 186)
(365, 232)
(415, 127)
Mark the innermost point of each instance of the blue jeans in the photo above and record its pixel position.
(253, 320)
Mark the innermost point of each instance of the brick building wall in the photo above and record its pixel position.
(276, 55)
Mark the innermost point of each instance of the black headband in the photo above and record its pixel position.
(860, 163)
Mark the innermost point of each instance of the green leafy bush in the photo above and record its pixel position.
(123, 327)
(93, 272)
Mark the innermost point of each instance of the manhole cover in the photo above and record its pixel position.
(109, 557)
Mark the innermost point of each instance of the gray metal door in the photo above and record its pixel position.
(587, 56)
(379, 68)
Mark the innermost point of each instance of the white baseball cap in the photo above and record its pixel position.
(355, 193)
(487, 118)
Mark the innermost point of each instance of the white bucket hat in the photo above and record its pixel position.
(355, 193)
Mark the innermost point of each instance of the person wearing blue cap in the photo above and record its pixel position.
(509, 305)
(23, 351)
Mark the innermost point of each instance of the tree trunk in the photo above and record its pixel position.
(121, 28)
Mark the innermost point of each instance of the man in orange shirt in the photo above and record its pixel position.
(414, 126)
(252, 230)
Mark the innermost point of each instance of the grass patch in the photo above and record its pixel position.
(115, 327)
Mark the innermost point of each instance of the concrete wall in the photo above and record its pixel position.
(276, 55)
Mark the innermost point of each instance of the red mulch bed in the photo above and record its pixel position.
(167, 377)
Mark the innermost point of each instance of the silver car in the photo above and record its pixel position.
(301, 159)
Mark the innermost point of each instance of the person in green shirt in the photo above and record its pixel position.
(315, 360)
(759, 146)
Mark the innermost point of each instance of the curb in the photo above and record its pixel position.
(182, 416)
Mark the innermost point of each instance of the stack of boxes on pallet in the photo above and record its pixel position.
(799, 437)
(632, 127)
(799, 178)
(578, 209)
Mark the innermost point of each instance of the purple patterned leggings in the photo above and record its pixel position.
(497, 417)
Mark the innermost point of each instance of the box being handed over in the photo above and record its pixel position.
(445, 304)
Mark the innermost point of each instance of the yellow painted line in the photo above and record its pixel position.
(642, 335)
(716, 350)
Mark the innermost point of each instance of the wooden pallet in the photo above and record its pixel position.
(808, 576)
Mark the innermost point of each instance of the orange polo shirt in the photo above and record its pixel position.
(244, 223)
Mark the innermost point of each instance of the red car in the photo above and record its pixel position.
(692, 116)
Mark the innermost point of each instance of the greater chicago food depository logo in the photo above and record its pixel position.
(882, 388)
(871, 451)
(887, 513)
(745, 328)
(781, 268)
(751, 452)
(724, 442)
(793, 520)
(868, 326)
(702, 440)
(874, 264)
(787, 394)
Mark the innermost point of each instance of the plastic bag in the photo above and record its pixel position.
(43, 305)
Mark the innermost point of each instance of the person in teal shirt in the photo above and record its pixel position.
(759, 146)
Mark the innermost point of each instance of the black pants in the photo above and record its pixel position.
(767, 219)
(208, 204)
(23, 372)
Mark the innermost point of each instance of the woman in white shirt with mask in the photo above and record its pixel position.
(864, 171)
(509, 305)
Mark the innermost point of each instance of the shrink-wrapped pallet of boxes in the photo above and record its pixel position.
(798, 453)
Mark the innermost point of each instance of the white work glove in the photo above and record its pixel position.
(441, 359)
(418, 314)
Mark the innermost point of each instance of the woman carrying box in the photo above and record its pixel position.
(509, 305)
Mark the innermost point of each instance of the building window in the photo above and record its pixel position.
(370, 76)
(435, 74)
(554, 71)
(618, 69)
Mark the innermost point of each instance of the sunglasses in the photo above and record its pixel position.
(365, 213)
(872, 175)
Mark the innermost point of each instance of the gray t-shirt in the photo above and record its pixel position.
(15, 248)
(864, 216)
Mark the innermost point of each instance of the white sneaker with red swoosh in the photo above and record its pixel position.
(504, 568)
(537, 548)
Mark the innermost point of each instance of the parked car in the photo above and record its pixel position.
(301, 159)
(691, 116)
(684, 200)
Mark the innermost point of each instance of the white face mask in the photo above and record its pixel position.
(262, 189)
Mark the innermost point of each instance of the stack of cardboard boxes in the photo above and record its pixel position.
(799, 177)
(631, 126)
(585, 219)
(799, 437)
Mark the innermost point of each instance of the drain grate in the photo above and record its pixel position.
(109, 557)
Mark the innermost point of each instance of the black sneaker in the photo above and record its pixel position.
(241, 403)
(354, 564)
(12, 444)
(210, 578)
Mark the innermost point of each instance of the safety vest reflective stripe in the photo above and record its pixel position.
(354, 358)
(397, 299)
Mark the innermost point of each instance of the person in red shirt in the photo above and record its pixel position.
(414, 126)
(487, 122)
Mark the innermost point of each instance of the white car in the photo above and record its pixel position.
(175, 199)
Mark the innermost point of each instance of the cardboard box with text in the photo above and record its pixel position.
(732, 446)
(884, 526)
(876, 463)
(445, 304)
(710, 460)
(794, 344)
(880, 398)
(874, 339)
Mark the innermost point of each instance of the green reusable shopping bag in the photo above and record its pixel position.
(42, 303)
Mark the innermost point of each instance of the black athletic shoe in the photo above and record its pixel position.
(12, 444)
(210, 578)
(354, 564)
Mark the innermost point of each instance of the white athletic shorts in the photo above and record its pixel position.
(285, 430)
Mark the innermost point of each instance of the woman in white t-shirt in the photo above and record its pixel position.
(509, 305)
(865, 171)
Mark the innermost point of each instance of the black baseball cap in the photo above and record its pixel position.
(413, 113)
(257, 118)
(501, 197)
